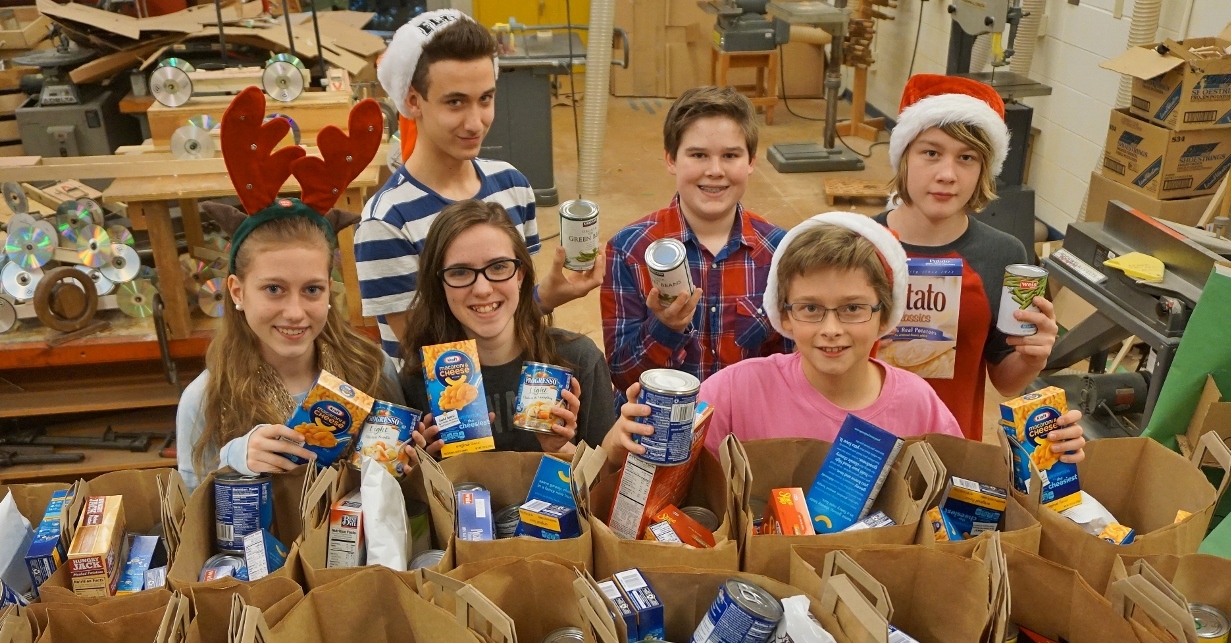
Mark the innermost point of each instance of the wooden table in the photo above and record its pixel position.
(763, 93)
(147, 199)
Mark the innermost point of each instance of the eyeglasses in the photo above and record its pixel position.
(847, 313)
(496, 271)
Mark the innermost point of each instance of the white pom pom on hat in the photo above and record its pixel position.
(932, 100)
(887, 245)
(396, 67)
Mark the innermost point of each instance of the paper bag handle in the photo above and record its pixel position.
(841, 592)
(595, 611)
(314, 505)
(16, 628)
(1211, 443)
(1125, 594)
(438, 484)
(467, 599)
(916, 455)
(838, 562)
(174, 625)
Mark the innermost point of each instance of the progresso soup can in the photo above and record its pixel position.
(672, 398)
(537, 394)
(388, 428)
(1022, 283)
(1212, 624)
(667, 260)
(242, 504)
(741, 612)
(579, 233)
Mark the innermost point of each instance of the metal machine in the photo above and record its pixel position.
(1156, 313)
(743, 26)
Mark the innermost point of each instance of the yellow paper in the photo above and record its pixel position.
(1138, 266)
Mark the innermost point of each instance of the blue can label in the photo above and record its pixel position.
(388, 427)
(672, 417)
(537, 394)
(242, 505)
(728, 621)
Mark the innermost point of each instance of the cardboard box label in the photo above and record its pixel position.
(925, 341)
(346, 544)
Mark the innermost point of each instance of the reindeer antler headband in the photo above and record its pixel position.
(258, 172)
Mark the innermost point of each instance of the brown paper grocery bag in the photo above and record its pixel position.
(211, 604)
(174, 496)
(794, 462)
(1143, 484)
(711, 488)
(528, 590)
(1200, 578)
(1154, 616)
(14, 626)
(32, 499)
(136, 617)
(175, 620)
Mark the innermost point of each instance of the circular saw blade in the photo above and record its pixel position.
(93, 246)
(120, 234)
(8, 314)
(296, 135)
(171, 85)
(205, 122)
(192, 142)
(30, 248)
(136, 298)
(19, 282)
(19, 221)
(124, 264)
(15, 198)
(210, 297)
(282, 80)
(102, 284)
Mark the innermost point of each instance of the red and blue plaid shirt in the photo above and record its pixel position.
(729, 324)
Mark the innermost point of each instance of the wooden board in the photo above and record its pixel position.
(128, 340)
(32, 28)
(199, 186)
(12, 150)
(312, 112)
(9, 131)
(855, 189)
(10, 102)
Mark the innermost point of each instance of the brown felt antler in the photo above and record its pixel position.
(256, 170)
(345, 155)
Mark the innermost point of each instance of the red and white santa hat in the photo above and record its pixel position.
(932, 100)
(888, 249)
(396, 66)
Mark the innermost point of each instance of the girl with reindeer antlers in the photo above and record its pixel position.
(279, 328)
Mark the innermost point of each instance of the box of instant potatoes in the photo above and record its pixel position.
(96, 553)
(1164, 164)
(1026, 421)
(925, 341)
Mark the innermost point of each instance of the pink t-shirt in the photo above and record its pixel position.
(769, 397)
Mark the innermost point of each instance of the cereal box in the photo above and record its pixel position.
(346, 543)
(971, 508)
(671, 522)
(459, 403)
(925, 341)
(787, 513)
(1026, 421)
(97, 551)
(329, 418)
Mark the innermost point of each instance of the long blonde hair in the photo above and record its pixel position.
(235, 398)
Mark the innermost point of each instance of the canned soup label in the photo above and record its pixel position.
(925, 341)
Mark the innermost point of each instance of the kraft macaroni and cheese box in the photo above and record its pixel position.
(971, 508)
(329, 418)
(10, 596)
(459, 403)
(787, 513)
(878, 519)
(474, 515)
(263, 554)
(646, 606)
(47, 550)
(1118, 534)
(852, 474)
(939, 531)
(1026, 421)
(609, 589)
(552, 483)
(542, 519)
(140, 555)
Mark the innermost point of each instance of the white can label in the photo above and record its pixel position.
(672, 284)
(1018, 293)
(580, 241)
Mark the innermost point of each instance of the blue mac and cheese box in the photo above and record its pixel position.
(263, 554)
(459, 403)
(542, 519)
(970, 508)
(625, 612)
(329, 418)
(552, 482)
(852, 474)
(1026, 421)
(651, 619)
(47, 550)
(140, 555)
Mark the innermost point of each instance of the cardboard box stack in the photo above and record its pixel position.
(21, 30)
(1173, 143)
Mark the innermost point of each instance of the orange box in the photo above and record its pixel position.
(97, 552)
(787, 513)
(682, 527)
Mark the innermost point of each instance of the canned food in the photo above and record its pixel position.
(1011, 632)
(242, 504)
(429, 558)
(388, 427)
(468, 486)
(672, 398)
(537, 394)
(667, 260)
(223, 565)
(564, 635)
(507, 520)
(741, 612)
(703, 516)
(1212, 624)
(1022, 283)
(579, 233)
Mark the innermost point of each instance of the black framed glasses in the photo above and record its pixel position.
(496, 271)
(847, 313)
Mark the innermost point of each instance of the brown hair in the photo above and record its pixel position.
(705, 101)
(832, 246)
(235, 397)
(464, 40)
(971, 136)
(432, 322)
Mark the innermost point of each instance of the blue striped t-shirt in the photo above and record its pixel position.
(394, 225)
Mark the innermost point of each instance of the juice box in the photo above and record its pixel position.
(474, 515)
(541, 519)
(852, 474)
(1026, 421)
(681, 526)
(47, 550)
(787, 513)
(971, 508)
(140, 555)
(346, 545)
(329, 418)
(459, 403)
(97, 551)
(651, 621)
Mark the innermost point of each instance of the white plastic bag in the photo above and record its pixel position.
(385, 525)
(15, 537)
(1090, 515)
(797, 625)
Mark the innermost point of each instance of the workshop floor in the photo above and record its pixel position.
(635, 182)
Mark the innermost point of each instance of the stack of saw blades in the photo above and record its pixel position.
(205, 281)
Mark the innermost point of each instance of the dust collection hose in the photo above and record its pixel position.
(594, 112)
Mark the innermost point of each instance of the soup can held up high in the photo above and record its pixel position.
(1022, 283)
(672, 398)
(667, 260)
(539, 391)
(579, 233)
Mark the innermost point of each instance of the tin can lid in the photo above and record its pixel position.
(564, 635)
(468, 486)
(1210, 621)
(235, 476)
(579, 209)
(526, 365)
(753, 599)
(665, 254)
(1025, 270)
(427, 558)
(670, 381)
(705, 517)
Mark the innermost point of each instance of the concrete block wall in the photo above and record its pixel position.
(1073, 40)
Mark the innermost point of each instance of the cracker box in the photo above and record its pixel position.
(925, 341)
(673, 525)
(625, 612)
(329, 418)
(47, 550)
(474, 515)
(1026, 421)
(645, 488)
(547, 521)
(646, 606)
(140, 555)
(872, 521)
(459, 403)
(851, 475)
(971, 508)
(787, 513)
(97, 551)
(346, 545)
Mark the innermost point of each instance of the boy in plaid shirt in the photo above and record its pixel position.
(710, 140)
